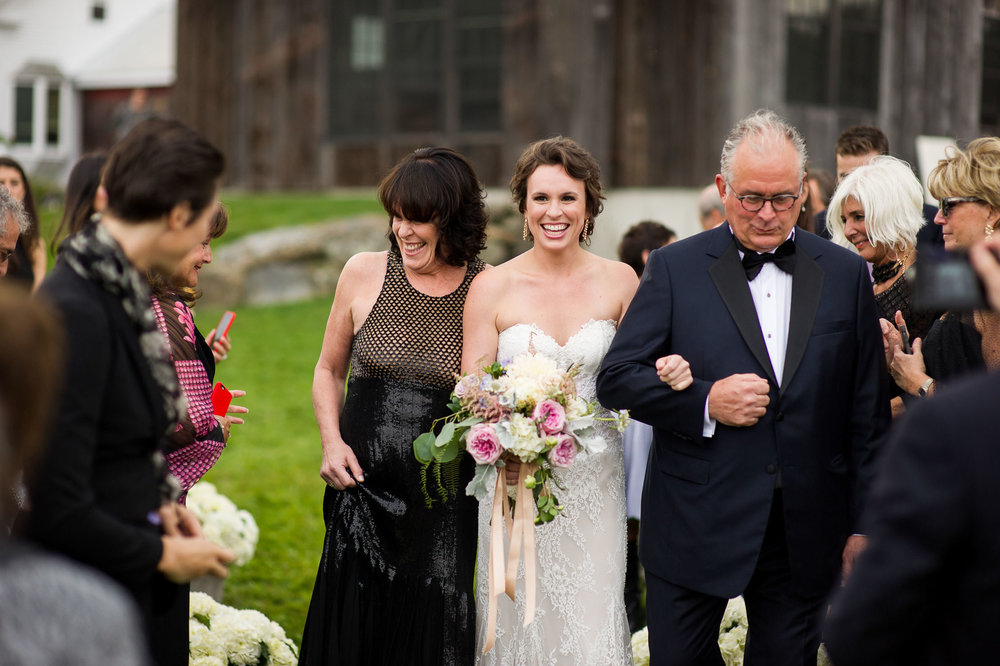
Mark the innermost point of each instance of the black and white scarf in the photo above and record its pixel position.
(96, 256)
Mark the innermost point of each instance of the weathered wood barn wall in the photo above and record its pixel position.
(317, 93)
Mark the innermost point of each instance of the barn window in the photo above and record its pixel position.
(415, 67)
(833, 52)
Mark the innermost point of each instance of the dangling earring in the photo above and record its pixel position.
(524, 232)
(585, 236)
(989, 231)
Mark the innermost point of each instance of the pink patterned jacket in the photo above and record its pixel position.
(197, 442)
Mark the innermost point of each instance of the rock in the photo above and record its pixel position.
(288, 263)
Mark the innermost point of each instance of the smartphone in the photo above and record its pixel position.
(906, 339)
(221, 397)
(946, 281)
(222, 330)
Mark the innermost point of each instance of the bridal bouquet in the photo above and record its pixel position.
(529, 409)
(220, 635)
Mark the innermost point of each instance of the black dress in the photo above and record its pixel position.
(953, 348)
(899, 296)
(395, 581)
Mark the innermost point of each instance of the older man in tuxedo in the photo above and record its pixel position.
(759, 469)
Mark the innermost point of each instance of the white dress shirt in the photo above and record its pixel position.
(771, 291)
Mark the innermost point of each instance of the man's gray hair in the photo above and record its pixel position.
(767, 130)
(11, 208)
(709, 200)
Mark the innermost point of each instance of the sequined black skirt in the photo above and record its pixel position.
(395, 581)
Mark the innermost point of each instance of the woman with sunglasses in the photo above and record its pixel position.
(967, 183)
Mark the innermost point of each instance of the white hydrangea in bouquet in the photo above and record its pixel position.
(224, 636)
(222, 522)
(528, 409)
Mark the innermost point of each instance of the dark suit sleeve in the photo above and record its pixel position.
(65, 515)
(870, 413)
(628, 378)
(920, 510)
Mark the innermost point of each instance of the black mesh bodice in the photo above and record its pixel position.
(410, 336)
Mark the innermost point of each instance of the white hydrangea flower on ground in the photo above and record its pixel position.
(222, 522)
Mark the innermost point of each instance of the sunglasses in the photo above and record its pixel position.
(948, 203)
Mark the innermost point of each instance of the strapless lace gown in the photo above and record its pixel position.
(580, 613)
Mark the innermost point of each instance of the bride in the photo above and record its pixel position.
(560, 300)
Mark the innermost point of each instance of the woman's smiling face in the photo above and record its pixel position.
(556, 206)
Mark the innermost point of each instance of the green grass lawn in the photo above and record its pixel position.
(271, 464)
(252, 212)
(249, 213)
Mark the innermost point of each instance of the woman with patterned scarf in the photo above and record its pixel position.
(101, 495)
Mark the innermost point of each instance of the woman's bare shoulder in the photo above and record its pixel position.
(364, 265)
(615, 270)
(491, 279)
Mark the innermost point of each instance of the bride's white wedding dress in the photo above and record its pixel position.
(580, 613)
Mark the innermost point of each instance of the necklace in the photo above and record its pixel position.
(885, 272)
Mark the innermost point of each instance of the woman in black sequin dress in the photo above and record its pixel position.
(877, 210)
(395, 578)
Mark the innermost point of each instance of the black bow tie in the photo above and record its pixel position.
(783, 258)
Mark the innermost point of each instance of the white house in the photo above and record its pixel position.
(67, 65)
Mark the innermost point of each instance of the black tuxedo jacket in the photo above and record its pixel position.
(96, 484)
(927, 588)
(706, 500)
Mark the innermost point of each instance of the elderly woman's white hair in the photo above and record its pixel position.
(892, 199)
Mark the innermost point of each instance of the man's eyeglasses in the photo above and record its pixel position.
(754, 202)
(5, 255)
(948, 203)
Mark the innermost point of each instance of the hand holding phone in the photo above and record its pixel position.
(905, 334)
(221, 397)
(222, 330)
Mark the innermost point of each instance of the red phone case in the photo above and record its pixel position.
(225, 323)
(221, 397)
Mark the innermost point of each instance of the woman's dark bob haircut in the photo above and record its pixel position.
(438, 185)
(574, 159)
(158, 165)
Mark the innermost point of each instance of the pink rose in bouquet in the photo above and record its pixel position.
(564, 451)
(482, 443)
(550, 416)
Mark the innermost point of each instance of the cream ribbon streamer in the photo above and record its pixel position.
(522, 533)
